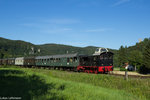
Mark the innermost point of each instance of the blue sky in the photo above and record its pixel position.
(102, 23)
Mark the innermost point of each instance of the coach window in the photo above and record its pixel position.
(54, 59)
(67, 59)
(75, 59)
(51, 59)
(58, 59)
(71, 59)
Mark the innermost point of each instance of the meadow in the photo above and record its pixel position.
(43, 84)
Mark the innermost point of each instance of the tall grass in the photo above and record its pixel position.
(136, 86)
(116, 68)
(41, 84)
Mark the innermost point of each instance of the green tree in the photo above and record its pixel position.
(146, 56)
(135, 58)
(122, 56)
(1, 55)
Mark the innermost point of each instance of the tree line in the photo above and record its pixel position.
(137, 56)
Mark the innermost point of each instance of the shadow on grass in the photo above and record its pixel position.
(15, 83)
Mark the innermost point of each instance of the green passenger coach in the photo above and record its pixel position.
(56, 61)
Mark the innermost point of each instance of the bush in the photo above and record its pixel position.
(144, 70)
(122, 69)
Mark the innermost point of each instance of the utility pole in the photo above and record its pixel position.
(126, 73)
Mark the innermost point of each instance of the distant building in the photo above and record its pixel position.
(140, 40)
(128, 67)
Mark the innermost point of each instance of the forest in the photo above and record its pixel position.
(137, 56)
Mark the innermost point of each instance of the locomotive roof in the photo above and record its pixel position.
(107, 52)
(58, 56)
(103, 53)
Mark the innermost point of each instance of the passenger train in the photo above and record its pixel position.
(100, 62)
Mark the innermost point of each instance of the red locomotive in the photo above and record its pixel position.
(100, 62)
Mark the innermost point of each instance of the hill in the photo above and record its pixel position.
(16, 48)
(52, 49)
(13, 48)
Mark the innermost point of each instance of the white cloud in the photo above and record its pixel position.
(51, 26)
(78, 44)
(29, 24)
(98, 30)
(120, 2)
(41, 22)
(62, 21)
(67, 29)
(56, 30)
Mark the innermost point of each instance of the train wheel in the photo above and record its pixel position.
(96, 72)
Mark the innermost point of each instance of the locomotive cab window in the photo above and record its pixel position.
(103, 50)
(97, 50)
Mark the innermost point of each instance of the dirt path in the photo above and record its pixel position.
(132, 74)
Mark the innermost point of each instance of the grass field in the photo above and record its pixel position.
(42, 84)
(117, 69)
